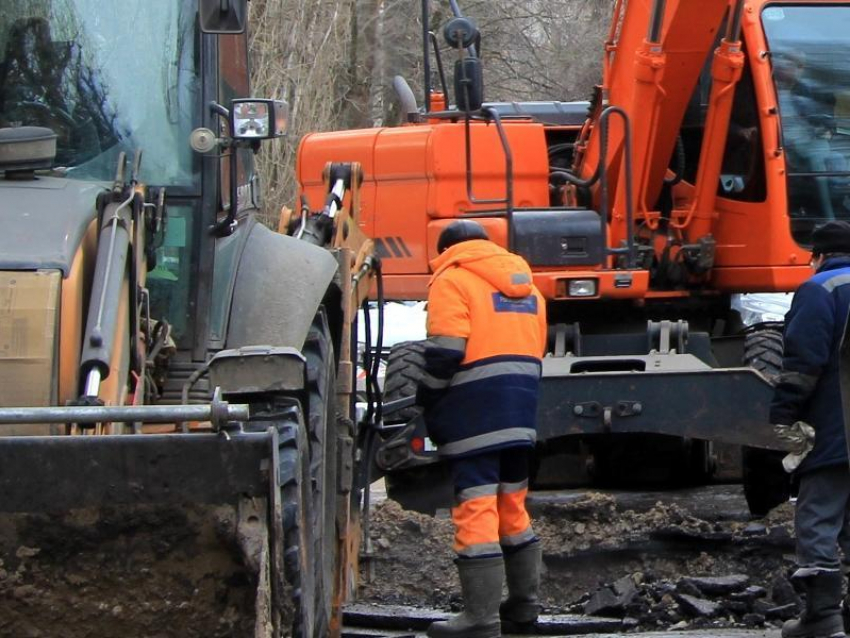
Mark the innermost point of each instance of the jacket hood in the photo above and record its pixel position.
(506, 272)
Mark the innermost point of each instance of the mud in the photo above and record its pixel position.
(150, 572)
(592, 540)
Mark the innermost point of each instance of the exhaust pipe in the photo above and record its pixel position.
(407, 99)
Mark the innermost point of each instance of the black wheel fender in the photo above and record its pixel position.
(279, 285)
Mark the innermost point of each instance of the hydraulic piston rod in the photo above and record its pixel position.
(219, 413)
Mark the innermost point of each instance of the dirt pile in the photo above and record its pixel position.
(600, 558)
(156, 572)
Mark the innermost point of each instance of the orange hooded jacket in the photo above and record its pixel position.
(486, 336)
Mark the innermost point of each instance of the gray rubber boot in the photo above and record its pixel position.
(522, 569)
(822, 616)
(481, 582)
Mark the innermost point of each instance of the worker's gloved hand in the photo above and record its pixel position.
(801, 437)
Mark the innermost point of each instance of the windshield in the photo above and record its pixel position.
(106, 77)
(810, 57)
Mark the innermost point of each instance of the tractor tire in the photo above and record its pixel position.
(296, 500)
(322, 432)
(422, 489)
(766, 483)
(404, 370)
(763, 351)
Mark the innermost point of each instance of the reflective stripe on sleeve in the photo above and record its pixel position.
(489, 370)
(448, 343)
(806, 382)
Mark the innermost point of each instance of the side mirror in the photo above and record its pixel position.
(469, 84)
(252, 119)
(462, 33)
(223, 16)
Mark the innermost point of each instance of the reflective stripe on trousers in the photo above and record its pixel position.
(490, 515)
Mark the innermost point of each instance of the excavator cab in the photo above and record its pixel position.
(807, 45)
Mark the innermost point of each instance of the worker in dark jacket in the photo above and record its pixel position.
(808, 397)
(486, 336)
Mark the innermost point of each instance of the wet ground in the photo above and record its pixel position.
(643, 561)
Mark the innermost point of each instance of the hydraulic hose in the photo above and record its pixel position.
(374, 409)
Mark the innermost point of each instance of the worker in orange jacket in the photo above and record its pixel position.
(486, 337)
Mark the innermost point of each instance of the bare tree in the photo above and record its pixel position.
(334, 61)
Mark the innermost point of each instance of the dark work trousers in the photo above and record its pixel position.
(489, 513)
(822, 520)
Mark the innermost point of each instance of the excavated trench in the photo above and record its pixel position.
(687, 559)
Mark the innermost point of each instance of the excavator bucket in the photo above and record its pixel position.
(144, 535)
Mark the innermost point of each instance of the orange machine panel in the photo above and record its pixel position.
(415, 174)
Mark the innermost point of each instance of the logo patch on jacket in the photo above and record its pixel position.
(527, 305)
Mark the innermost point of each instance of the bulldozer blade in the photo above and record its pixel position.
(140, 535)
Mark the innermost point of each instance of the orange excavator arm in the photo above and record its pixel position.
(654, 56)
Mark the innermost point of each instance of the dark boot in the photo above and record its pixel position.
(822, 616)
(522, 569)
(845, 614)
(481, 582)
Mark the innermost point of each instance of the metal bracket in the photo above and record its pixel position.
(595, 410)
(629, 408)
(567, 339)
(665, 336)
(588, 410)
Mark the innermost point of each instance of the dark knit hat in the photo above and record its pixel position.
(461, 230)
(831, 237)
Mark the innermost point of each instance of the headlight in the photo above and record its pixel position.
(258, 119)
(582, 288)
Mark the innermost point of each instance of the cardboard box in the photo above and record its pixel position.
(29, 323)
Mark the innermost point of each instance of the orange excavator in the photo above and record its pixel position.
(716, 141)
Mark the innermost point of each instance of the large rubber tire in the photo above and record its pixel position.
(423, 489)
(404, 370)
(322, 426)
(766, 484)
(763, 351)
(297, 498)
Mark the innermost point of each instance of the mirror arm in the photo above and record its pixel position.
(223, 113)
(440, 70)
(225, 226)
